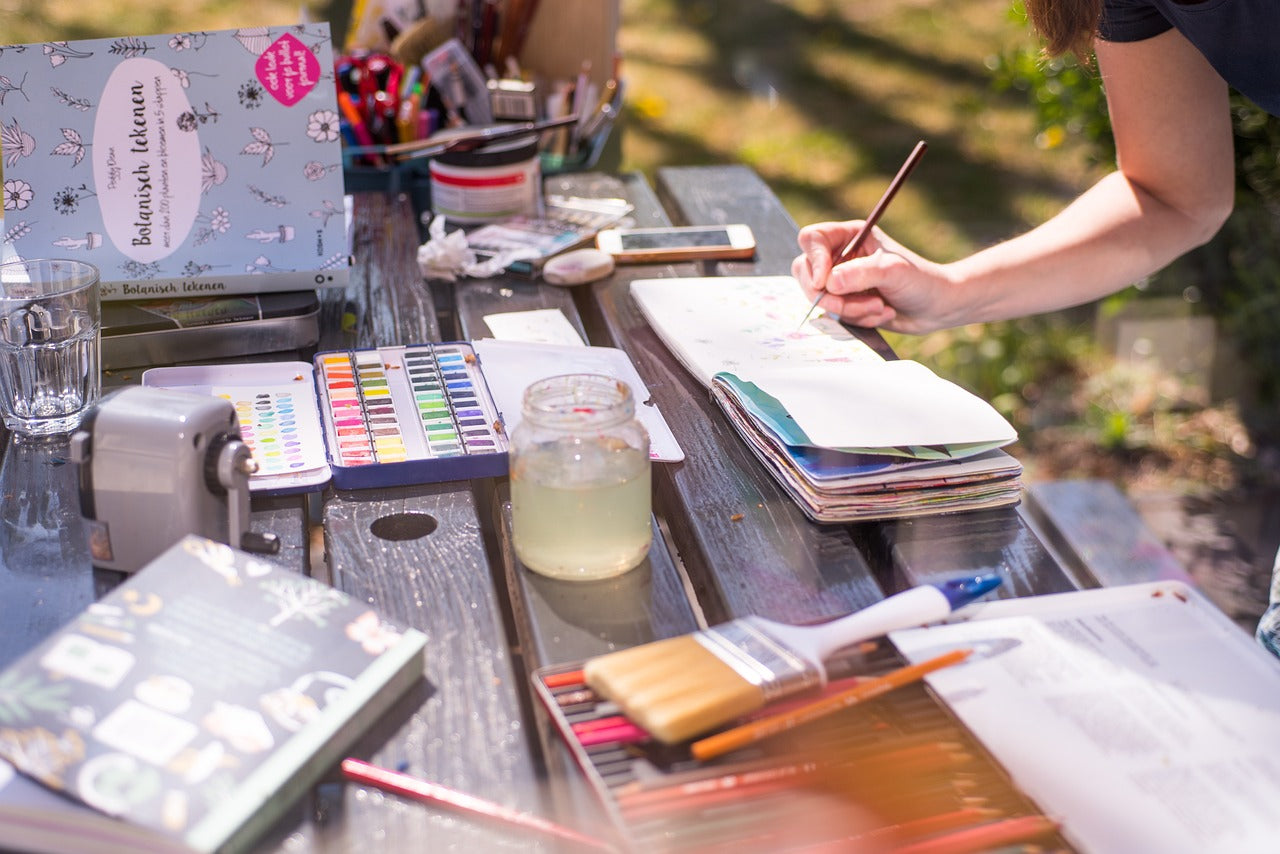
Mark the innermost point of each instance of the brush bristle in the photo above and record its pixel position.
(674, 688)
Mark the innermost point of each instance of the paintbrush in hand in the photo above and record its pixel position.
(872, 218)
(680, 687)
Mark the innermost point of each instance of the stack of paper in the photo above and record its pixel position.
(849, 435)
(1140, 716)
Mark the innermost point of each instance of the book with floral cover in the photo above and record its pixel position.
(180, 165)
(191, 706)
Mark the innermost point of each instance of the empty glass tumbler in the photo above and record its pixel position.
(50, 321)
(580, 480)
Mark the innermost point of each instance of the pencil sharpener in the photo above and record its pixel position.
(157, 464)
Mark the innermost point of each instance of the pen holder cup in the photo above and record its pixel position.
(412, 176)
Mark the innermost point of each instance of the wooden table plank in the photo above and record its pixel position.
(467, 730)
(470, 733)
(1098, 535)
(747, 547)
(387, 296)
(934, 548)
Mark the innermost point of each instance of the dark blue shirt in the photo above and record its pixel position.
(1240, 38)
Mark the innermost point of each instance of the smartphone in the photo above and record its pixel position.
(677, 243)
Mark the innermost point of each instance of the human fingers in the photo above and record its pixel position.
(867, 309)
(820, 244)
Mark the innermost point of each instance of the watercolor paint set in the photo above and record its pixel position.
(887, 775)
(359, 418)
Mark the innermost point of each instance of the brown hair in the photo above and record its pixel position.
(1066, 25)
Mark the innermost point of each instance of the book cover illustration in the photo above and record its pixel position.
(186, 164)
(193, 693)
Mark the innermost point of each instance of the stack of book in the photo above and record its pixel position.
(187, 167)
(849, 435)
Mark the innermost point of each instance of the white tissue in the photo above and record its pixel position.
(447, 255)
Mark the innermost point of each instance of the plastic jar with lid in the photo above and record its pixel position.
(580, 479)
(488, 183)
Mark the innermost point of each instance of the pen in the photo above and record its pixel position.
(408, 786)
(352, 114)
(872, 218)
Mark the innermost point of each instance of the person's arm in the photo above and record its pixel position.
(1174, 188)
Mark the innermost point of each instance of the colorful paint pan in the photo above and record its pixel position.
(415, 414)
(359, 418)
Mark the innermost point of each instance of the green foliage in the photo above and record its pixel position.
(1257, 139)
(1238, 274)
(1068, 98)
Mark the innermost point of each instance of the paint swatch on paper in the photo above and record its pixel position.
(425, 410)
(280, 426)
(276, 408)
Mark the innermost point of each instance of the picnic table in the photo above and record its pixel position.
(728, 542)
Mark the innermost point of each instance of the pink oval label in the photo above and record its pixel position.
(288, 70)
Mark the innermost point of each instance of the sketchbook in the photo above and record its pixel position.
(192, 706)
(836, 390)
(849, 435)
(1140, 716)
(190, 164)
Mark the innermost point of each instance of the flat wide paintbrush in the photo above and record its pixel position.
(680, 687)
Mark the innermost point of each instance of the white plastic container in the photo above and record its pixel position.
(490, 183)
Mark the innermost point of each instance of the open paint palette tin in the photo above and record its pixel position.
(891, 773)
(359, 418)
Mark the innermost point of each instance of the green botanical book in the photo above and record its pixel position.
(192, 705)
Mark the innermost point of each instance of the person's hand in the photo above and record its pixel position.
(886, 285)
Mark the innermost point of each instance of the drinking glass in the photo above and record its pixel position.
(50, 323)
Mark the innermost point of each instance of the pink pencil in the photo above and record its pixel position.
(360, 771)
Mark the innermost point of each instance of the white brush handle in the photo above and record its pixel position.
(910, 608)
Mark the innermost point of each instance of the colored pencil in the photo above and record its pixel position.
(872, 218)
(749, 733)
(408, 786)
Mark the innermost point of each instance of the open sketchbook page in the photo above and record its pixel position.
(838, 390)
(1140, 716)
(745, 325)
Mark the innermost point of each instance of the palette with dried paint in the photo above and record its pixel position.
(275, 404)
(361, 418)
(415, 414)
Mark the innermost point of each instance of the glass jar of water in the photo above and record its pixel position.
(580, 484)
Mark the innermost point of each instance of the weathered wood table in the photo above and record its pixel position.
(728, 542)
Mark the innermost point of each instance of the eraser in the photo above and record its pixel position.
(577, 267)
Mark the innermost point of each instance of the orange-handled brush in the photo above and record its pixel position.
(680, 687)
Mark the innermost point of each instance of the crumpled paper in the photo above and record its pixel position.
(446, 256)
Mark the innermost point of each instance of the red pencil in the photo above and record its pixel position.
(360, 771)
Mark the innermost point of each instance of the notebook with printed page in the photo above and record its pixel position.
(187, 164)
